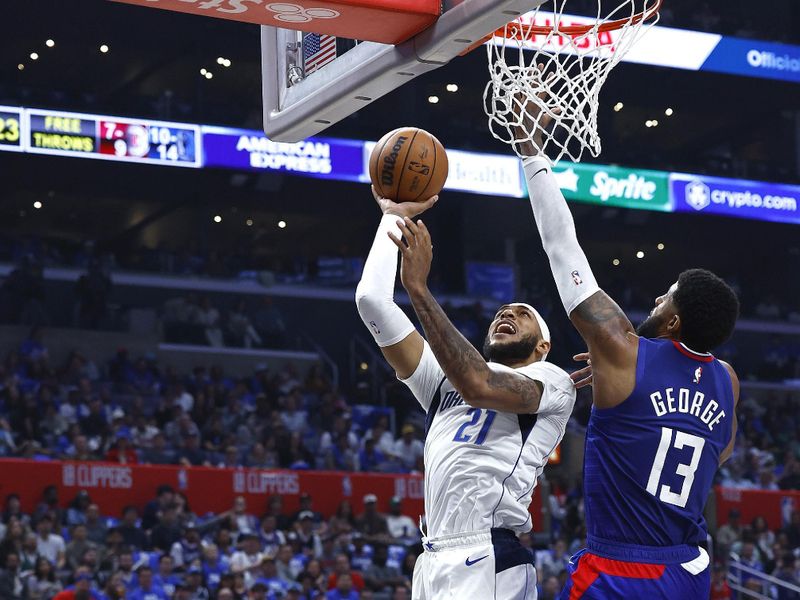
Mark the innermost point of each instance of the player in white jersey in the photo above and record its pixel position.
(490, 426)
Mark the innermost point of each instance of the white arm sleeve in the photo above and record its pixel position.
(574, 278)
(375, 292)
(425, 381)
(558, 393)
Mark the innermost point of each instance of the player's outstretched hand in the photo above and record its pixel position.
(416, 249)
(402, 209)
(582, 377)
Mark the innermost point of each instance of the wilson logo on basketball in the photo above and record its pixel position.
(387, 173)
(294, 13)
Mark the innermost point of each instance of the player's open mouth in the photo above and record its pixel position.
(505, 327)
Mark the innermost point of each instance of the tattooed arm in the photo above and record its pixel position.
(499, 388)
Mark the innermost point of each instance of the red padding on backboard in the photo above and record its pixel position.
(386, 21)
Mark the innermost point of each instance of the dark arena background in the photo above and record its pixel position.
(190, 406)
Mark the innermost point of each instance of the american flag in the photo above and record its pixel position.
(318, 51)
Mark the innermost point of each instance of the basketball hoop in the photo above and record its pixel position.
(577, 54)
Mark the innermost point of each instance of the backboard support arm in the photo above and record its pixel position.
(370, 70)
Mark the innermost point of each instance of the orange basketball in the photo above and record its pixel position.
(408, 165)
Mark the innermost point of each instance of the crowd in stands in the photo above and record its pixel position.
(163, 550)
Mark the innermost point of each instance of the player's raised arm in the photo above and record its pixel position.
(394, 333)
(465, 368)
(608, 333)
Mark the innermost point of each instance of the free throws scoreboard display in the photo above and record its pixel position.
(111, 138)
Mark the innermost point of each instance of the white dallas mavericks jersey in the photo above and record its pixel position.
(481, 466)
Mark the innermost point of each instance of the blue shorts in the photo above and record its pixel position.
(592, 577)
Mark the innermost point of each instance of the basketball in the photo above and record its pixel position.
(408, 165)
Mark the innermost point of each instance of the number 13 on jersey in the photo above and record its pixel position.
(683, 470)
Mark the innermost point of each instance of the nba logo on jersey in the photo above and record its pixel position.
(698, 374)
(576, 277)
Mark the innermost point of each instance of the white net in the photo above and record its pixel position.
(549, 67)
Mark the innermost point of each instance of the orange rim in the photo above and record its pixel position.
(577, 30)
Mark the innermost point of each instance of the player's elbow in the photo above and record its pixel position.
(365, 300)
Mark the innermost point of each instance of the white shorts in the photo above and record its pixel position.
(482, 565)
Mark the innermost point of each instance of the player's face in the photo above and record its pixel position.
(513, 335)
(655, 325)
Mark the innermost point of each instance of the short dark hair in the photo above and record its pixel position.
(708, 308)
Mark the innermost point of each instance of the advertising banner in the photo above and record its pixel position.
(614, 186)
(251, 150)
(114, 486)
(736, 198)
(775, 506)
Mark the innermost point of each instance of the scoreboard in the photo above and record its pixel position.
(111, 138)
(11, 122)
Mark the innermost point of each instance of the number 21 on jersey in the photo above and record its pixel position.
(686, 471)
(466, 433)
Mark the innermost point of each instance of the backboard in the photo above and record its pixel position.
(297, 106)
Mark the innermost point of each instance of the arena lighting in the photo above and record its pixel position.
(49, 43)
(20, 66)
(34, 56)
(282, 224)
(249, 222)
(452, 87)
(220, 60)
(433, 99)
(37, 205)
(203, 72)
(669, 112)
(640, 254)
(104, 48)
(227, 63)
(363, 366)
(208, 74)
(615, 262)
(618, 106)
(660, 246)
(217, 219)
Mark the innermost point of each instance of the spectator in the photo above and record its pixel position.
(190, 453)
(125, 569)
(13, 510)
(370, 458)
(146, 589)
(407, 448)
(719, 584)
(76, 513)
(165, 496)
(384, 442)
(165, 579)
(748, 557)
(208, 317)
(121, 451)
(729, 533)
(271, 537)
(77, 546)
(241, 329)
(401, 527)
(787, 573)
(49, 505)
(360, 553)
(269, 324)
(215, 566)
(344, 520)
(304, 530)
(307, 505)
(342, 569)
(371, 523)
(159, 453)
(167, 532)
(42, 583)
(244, 522)
(49, 544)
(275, 508)
(187, 549)
(247, 561)
(132, 534)
(381, 577)
(194, 584)
(29, 552)
(96, 527)
(344, 589)
(13, 539)
(11, 585)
